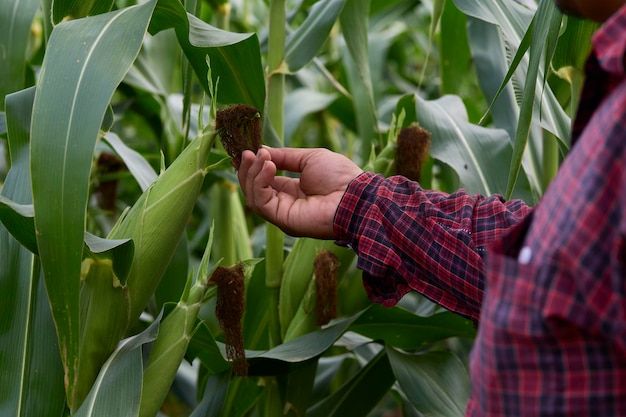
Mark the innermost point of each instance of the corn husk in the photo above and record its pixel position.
(158, 219)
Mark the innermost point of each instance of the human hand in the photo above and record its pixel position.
(303, 206)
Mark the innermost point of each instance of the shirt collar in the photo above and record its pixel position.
(609, 43)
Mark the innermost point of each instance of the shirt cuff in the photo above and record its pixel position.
(347, 217)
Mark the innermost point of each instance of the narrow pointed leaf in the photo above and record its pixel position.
(360, 394)
(235, 57)
(548, 25)
(354, 26)
(73, 93)
(302, 45)
(513, 20)
(405, 330)
(141, 170)
(15, 22)
(478, 155)
(32, 375)
(436, 383)
(302, 349)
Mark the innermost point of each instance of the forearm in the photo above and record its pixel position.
(428, 241)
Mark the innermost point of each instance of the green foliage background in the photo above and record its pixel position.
(108, 105)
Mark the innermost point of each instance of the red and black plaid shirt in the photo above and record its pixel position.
(547, 286)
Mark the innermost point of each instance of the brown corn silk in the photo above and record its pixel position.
(326, 267)
(239, 127)
(412, 151)
(229, 310)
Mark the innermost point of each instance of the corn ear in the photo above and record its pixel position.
(319, 304)
(304, 319)
(168, 350)
(297, 276)
(158, 219)
(232, 239)
(104, 317)
(175, 332)
(384, 162)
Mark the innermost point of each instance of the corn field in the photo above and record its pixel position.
(133, 282)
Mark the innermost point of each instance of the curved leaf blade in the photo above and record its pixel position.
(405, 330)
(359, 395)
(478, 155)
(302, 45)
(436, 383)
(32, 375)
(235, 57)
(75, 86)
(15, 22)
(141, 169)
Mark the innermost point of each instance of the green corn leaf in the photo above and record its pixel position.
(32, 373)
(117, 390)
(454, 49)
(75, 9)
(513, 21)
(303, 44)
(214, 398)
(548, 24)
(436, 383)
(359, 395)
(405, 330)
(15, 22)
(540, 104)
(18, 219)
(354, 26)
(235, 58)
(297, 351)
(478, 155)
(137, 165)
(168, 351)
(174, 278)
(303, 102)
(574, 44)
(571, 54)
(75, 86)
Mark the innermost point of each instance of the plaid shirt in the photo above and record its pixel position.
(547, 286)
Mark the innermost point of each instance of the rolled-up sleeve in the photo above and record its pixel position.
(407, 238)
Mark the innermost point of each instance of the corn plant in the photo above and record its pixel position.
(118, 202)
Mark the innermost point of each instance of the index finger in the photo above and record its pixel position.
(290, 159)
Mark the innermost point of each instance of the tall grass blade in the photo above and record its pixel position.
(15, 23)
(304, 43)
(86, 59)
(548, 24)
(235, 57)
(436, 383)
(32, 375)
